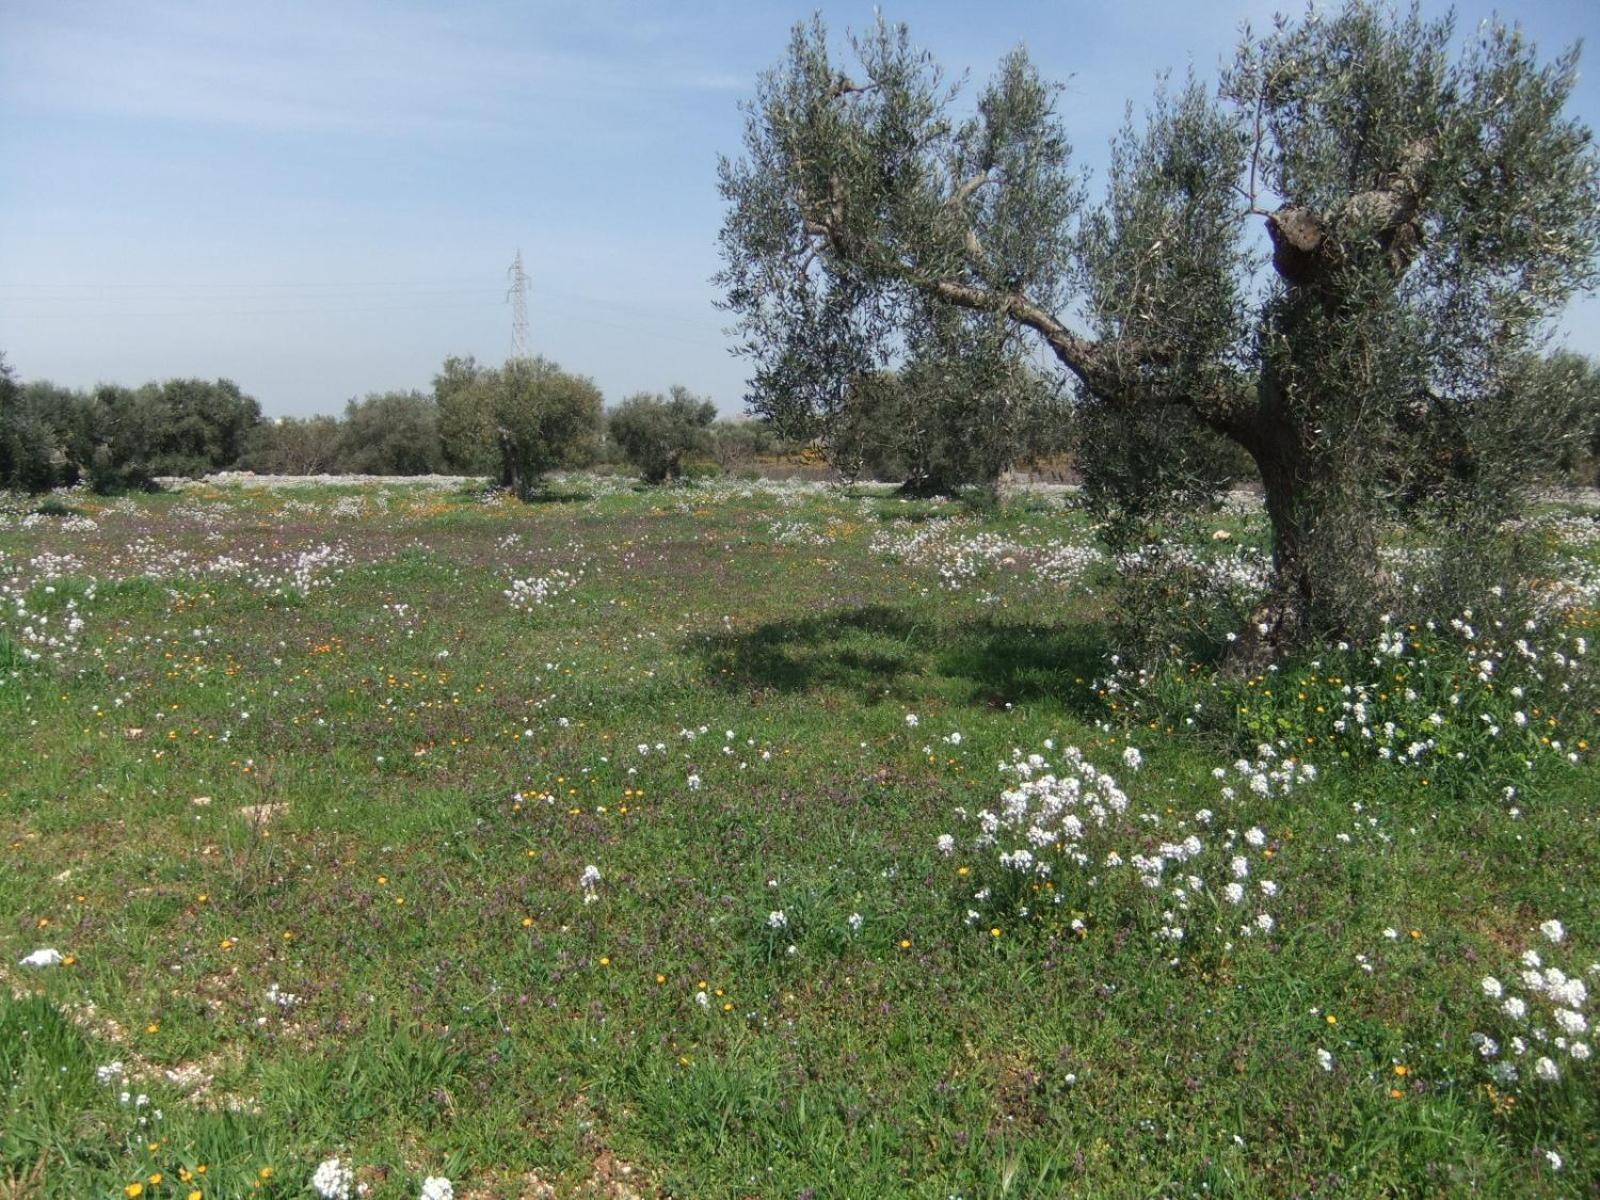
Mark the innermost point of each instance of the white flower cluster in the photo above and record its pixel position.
(587, 883)
(1414, 724)
(527, 594)
(799, 533)
(38, 630)
(1066, 828)
(333, 1180)
(1231, 576)
(1539, 1013)
(962, 555)
(1430, 695)
(268, 570)
(1268, 774)
(315, 566)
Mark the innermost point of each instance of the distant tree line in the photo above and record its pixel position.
(932, 424)
(514, 423)
(117, 438)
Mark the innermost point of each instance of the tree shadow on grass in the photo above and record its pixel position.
(884, 653)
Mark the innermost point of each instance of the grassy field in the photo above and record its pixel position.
(593, 847)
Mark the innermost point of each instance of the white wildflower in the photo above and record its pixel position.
(332, 1180)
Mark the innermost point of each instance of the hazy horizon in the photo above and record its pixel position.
(319, 203)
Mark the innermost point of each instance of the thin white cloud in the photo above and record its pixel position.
(366, 69)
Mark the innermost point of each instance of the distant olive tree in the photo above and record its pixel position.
(390, 433)
(657, 433)
(1565, 387)
(464, 393)
(1419, 216)
(200, 425)
(954, 411)
(30, 456)
(294, 446)
(740, 443)
(126, 438)
(544, 418)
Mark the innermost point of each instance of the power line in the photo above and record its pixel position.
(298, 310)
(200, 285)
(76, 300)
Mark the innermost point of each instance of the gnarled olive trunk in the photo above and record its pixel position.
(1325, 562)
(1326, 568)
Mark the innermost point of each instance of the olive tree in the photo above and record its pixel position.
(390, 433)
(1332, 259)
(656, 433)
(463, 392)
(544, 418)
(959, 410)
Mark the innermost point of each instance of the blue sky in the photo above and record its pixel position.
(320, 200)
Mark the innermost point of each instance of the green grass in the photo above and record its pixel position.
(376, 787)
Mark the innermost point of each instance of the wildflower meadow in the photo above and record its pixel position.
(743, 838)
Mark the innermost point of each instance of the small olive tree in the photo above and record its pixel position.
(1333, 260)
(390, 433)
(656, 433)
(293, 446)
(467, 432)
(951, 417)
(544, 418)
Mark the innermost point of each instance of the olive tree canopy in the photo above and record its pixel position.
(1337, 258)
